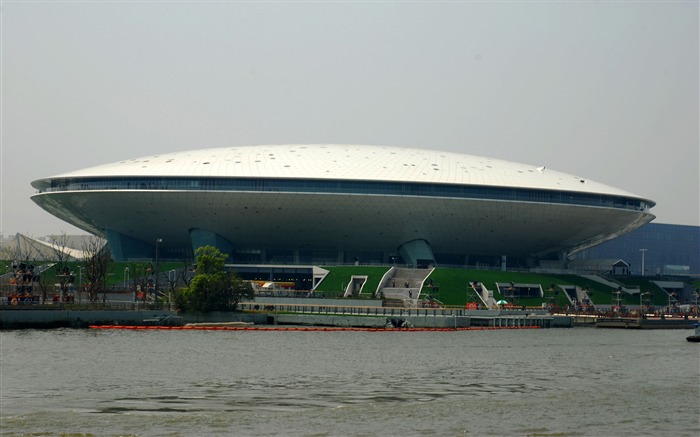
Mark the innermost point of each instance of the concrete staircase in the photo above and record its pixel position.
(484, 294)
(612, 284)
(403, 285)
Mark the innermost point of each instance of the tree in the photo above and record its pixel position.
(65, 276)
(96, 259)
(173, 280)
(142, 279)
(186, 274)
(213, 288)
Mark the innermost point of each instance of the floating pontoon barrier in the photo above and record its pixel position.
(310, 328)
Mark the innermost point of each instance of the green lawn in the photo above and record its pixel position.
(454, 289)
(339, 277)
(451, 284)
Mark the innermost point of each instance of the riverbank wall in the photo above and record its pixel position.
(37, 319)
(648, 323)
(24, 319)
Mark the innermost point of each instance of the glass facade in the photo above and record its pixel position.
(350, 187)
(665, 249)
(302, 277)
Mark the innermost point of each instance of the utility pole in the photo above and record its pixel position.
(155, 296)
(643, 252)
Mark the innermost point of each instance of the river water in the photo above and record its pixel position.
(534, 382)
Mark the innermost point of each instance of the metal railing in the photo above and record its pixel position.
(350, 310)
(84, 306)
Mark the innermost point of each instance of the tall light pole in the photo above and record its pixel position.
(126, 283)
(643, 252)
(80, 285)
(172, 281)
(158, 241)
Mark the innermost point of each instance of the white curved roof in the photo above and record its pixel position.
(333, 161)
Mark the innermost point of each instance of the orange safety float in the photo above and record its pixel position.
(308, 329)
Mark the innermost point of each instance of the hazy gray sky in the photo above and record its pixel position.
(603, 90)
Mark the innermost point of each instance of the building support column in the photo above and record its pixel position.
(202, 237)
(124, 247)
(417, 253)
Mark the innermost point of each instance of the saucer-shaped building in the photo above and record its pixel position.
(328, 204)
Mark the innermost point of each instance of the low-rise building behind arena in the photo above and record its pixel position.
(655, 249)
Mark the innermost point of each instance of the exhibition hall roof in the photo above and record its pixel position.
(344, 162)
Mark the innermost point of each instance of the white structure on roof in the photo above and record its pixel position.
(29, 248)
(338, 203)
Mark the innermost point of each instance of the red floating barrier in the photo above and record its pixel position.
(310, 329)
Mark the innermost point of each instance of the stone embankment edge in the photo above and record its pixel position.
(22, 319)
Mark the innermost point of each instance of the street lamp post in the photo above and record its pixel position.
(158, 241)
(172, 285)
(126, 283)
(643, 252)
(80, 285)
